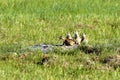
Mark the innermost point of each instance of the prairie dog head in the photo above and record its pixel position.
(68, 36)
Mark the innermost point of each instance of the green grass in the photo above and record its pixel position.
(28, 22)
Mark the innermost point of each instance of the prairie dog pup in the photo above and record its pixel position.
(77, 37)
(84, 39)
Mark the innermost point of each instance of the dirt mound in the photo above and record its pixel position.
(113, 61)
(91, 49)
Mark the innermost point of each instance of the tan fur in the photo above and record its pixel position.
(67, 42)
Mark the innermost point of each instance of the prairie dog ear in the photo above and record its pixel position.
(68, 36)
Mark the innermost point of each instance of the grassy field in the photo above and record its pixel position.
(25, 23)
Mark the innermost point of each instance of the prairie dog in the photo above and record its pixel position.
(77, 37)
(84, 39)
